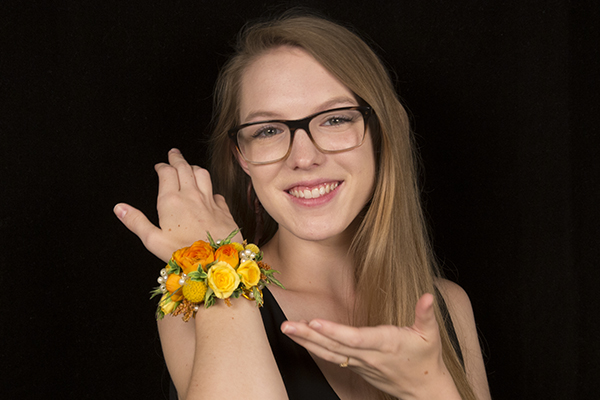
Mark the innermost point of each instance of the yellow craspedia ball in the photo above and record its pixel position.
(194, 291)
(253, 248)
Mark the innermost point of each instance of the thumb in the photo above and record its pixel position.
(425, 322)
(135, 221)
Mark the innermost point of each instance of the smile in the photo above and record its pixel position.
(315, 192)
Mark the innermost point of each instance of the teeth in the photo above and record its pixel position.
(314, 193)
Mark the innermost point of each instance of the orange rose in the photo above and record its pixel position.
(229, 254)
(172, 286)
(198, 254)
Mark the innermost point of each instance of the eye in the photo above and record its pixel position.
(337, 120)
(266, 131)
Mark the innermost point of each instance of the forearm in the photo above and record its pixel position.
(231, 356)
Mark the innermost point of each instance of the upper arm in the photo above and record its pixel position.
(461, 312)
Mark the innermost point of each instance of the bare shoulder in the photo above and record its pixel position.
(456, 298)
(461, 312)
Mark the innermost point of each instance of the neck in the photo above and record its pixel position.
(315, 266)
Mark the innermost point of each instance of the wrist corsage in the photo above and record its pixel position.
(205, 271)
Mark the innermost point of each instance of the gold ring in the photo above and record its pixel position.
(345, 363)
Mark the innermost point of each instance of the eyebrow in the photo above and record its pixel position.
(336, 102)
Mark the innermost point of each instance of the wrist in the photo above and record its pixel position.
(207, 273)
(433, 385)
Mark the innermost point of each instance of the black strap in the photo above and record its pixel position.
(449, 326)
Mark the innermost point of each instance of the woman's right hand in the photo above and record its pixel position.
(187, 209)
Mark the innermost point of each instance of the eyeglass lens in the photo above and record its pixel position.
(335, 130)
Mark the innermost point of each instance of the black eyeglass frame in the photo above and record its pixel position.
(303, 124)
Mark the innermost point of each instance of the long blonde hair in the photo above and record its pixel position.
(394, 264)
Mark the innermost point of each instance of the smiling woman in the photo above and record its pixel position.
(289, 83)
(312, 153)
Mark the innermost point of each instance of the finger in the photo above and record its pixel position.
(309, 337)
(135, 221)
(203, 182)
(221, 202)
(184, 170)
(326, 354)
(425, 322)
(168, 179)
(148, 233)
(365, 338)
(315, 343)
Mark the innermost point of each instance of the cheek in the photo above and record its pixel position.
(262, 177)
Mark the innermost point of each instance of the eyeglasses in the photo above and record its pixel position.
(331, 131)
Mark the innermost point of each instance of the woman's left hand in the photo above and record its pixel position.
(405, 362)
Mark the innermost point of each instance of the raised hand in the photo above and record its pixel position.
(405, 362)
(187, 208)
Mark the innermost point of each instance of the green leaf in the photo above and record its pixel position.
(210, 301)
(257, 296)
(195, 276)
(174, 268)
(274, 280)
(270, 277)
(209, 293)
(155, 292)
(225, 241)
(231, 235)
(211, 241)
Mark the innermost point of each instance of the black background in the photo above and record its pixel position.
(504, 100)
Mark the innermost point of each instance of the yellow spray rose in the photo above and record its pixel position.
(238, 246)
(250, 273)
(229, 254)
(223, 279)
(167, 305)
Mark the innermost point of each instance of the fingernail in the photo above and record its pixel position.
(315, 325)
(120, 211)
(176, 151)
(288, 330)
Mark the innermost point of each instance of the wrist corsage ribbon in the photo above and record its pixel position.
(205, 272)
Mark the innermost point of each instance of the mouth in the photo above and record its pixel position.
(313, 192)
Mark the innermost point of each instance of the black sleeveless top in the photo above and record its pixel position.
(302, 377)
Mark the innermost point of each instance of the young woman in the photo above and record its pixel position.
(320, 173)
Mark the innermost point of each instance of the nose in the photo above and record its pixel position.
(303, 153)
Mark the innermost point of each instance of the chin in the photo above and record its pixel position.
(322, 232)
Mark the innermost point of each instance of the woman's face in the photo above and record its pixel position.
(287, 83)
